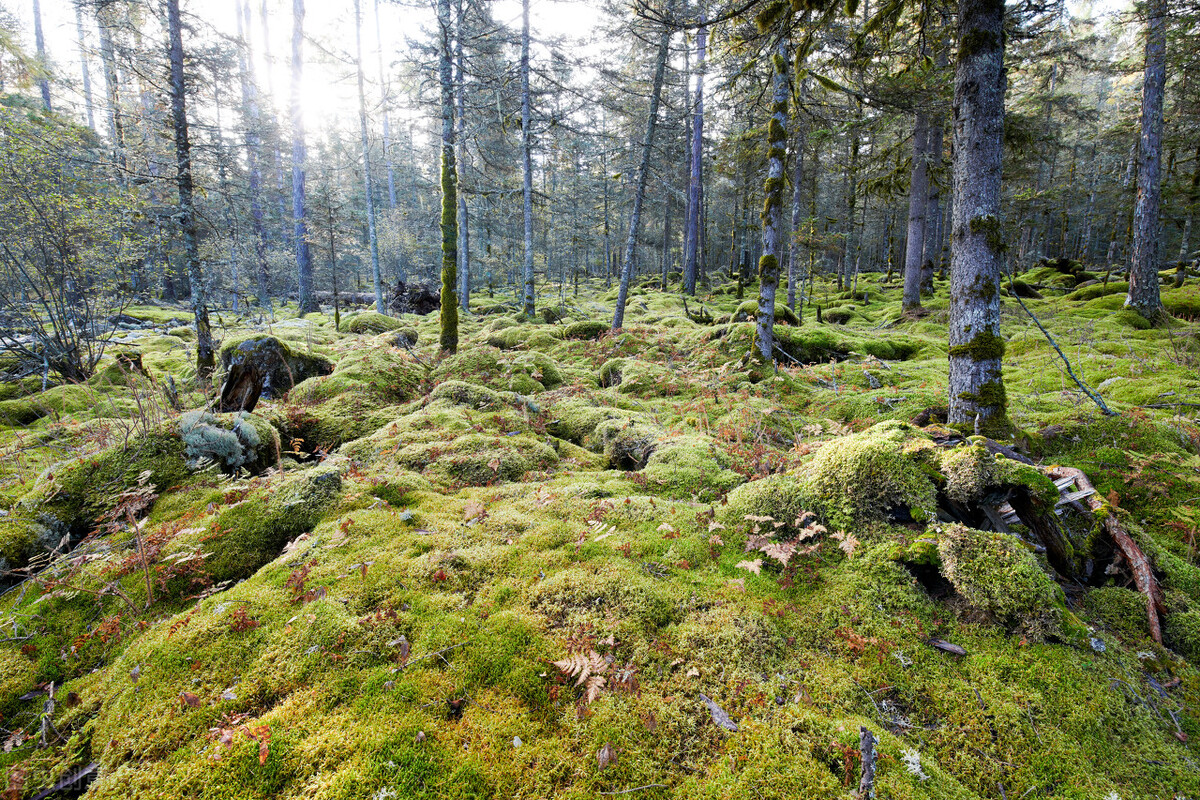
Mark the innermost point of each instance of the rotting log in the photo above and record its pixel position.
(1139, 564)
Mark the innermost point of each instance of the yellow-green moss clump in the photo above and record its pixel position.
(975, 475)
(997, 575)
(881, 474)
(369, 322)
(748, 312)
(250, 533)
(479, 459)
(639, 378)
(587, 330)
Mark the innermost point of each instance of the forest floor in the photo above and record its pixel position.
(564, 563)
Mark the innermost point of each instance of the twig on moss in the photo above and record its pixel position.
(1096, 398)
(635, 789)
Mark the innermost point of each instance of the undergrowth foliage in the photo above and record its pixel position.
(566, 564)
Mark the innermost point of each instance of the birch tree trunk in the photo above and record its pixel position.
(281, 192)
(696, 180)
(304, 274)
(1143, 294)
(205, 360)
(112, 91)
(797, 202)
(372, 237)
(643, 173)
(918, 204)
(85, 71)
(527, 295)
(252, 121)
(449, 223)
(772, 214)
(976, 346)
(387, 132)
(40, 44)
(460, 103)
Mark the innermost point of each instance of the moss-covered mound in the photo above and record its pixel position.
(369, 322)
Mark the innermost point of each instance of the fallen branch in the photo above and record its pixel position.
(1143, 574)
(866, 749)
(1096, 398)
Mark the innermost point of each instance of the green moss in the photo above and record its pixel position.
(588, 330)
(984, 346)
(1097, 290)
(245, 536)
(748, 312)
(369, 322)
(467, 394)
(1000, 577)
(1131, 319)
(479, 459)
(1119, 610)
(974, 475)
(873, 476)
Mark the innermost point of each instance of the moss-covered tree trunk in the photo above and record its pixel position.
(918, 205)
(449, 312)
(1143, 294)
(205, 356)
(772, 214)
(976, 346)
(643, 174)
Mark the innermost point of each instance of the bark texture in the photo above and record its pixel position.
(772, 214)
(304, 272)
(918, 205)
(643, 174)
(1143, 294)
(449, 223)
(252, 121)
(372, 237)
(527, 295)
(977, 394)
(205, 359)
(691, 256)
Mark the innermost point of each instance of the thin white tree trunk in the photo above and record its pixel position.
(372, 237)
(304, 274)
(918, 205)
(772, 216)
(527, 295)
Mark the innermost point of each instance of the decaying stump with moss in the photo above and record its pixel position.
(263, 365)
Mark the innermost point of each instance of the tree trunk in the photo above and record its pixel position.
(387, 133)
(1143, 294)
(918, 204)
(84, 70)
(253, 123)
(304, 274)
(696, 180)
(772, 215)
(934, 224)
(643, 174)
(460, 145)
(372, 237)
(797, 201)
(527, 295)
(449, 223)
(205, 360)
(43, 64)
(976, 346)
(112, 91)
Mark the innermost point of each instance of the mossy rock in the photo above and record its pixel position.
(70, 496)
(389, 374)
(627, 442)
(589, 330)
(997, 575)
(327, 425)
(18, 675)
(1181, 624)
(519, 336)
(281, 366)
(575, 419)
(67, 399)
(1019, 288)
(639, 378)
(406, 337)
(748, 312)
(233, 442)
(249, 534)
(879, 475)
(185, 332)
(369, 322)
(23, 539)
